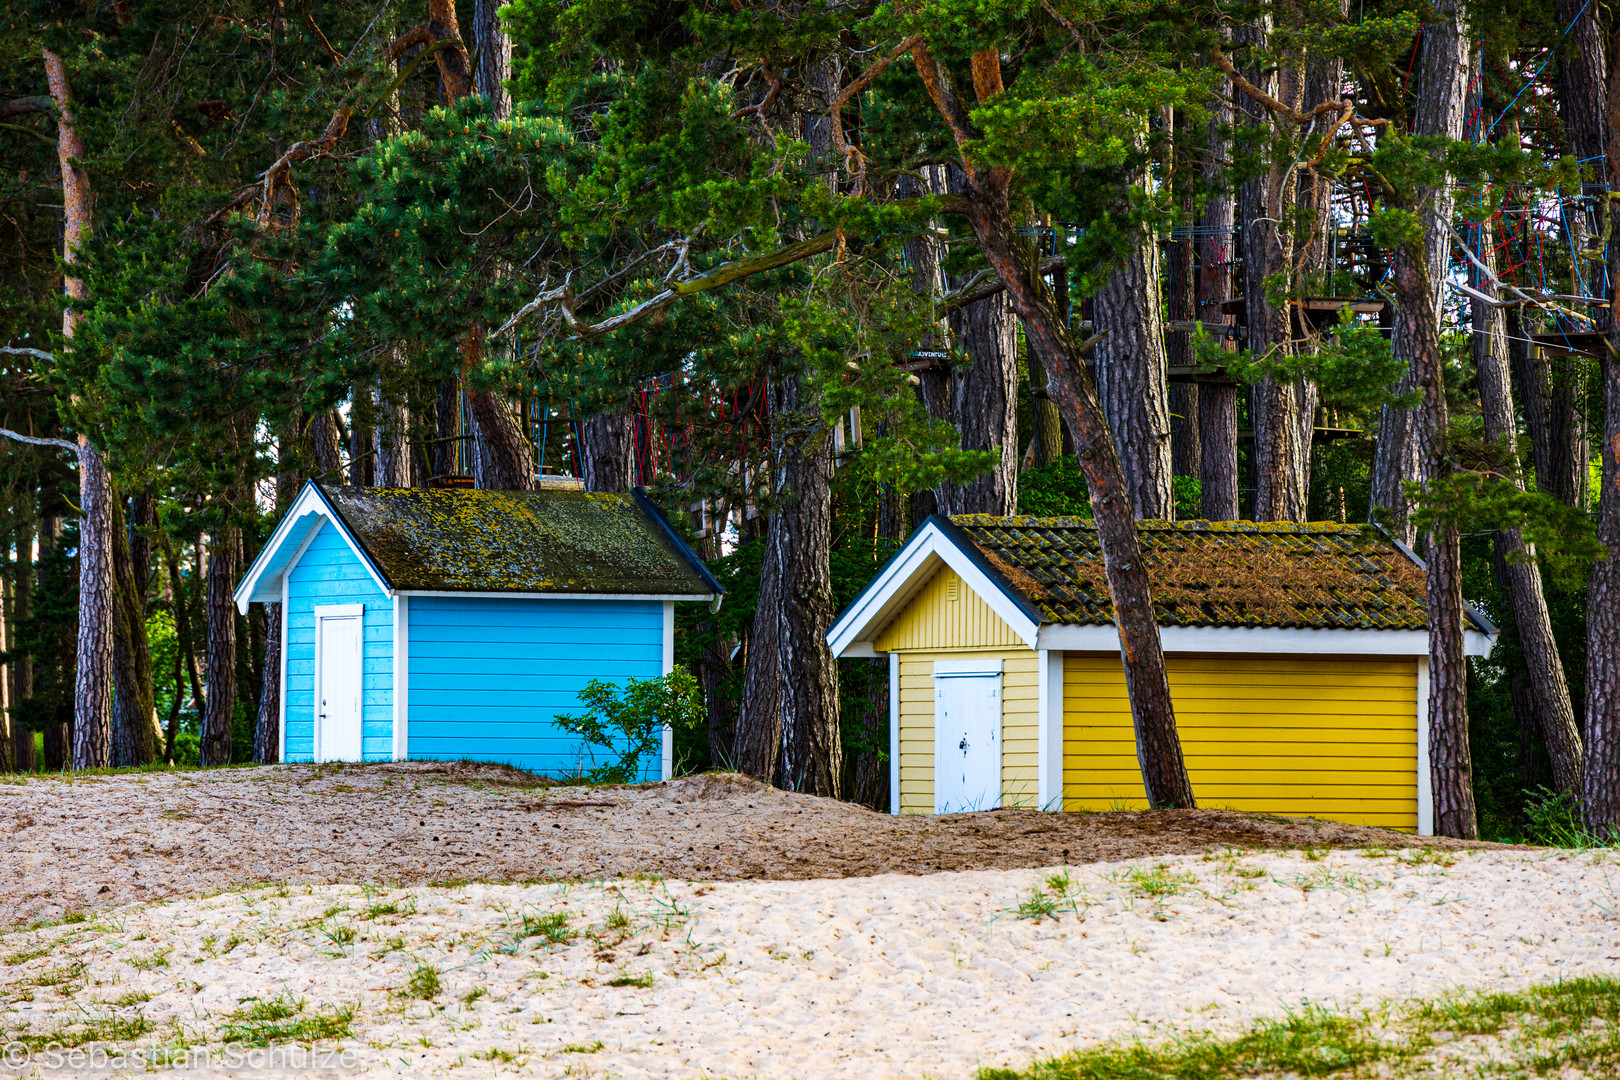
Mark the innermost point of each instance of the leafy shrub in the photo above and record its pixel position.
(627, 722)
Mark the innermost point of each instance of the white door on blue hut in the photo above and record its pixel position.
(967, 735)
(339, 681)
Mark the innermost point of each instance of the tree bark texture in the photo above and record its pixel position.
(1048, 424)
(1582, 103)
(267, 725)
(1046, 332)
(1441, 99)
(759, 713)
(220, 671)
(20, 672)
(1217, 403)
(1546, 691)
(362, 446)
(93, 675)
(1450, 762)
(325, 447)
(984, 408)
(800, 539)
(494, 50)
(142, 519)
(1281, 413)
(1554, 402)
(503, 456)
(133, 710)
(1600, 779)
(607, 451)
(1132, 377)
(391, 451)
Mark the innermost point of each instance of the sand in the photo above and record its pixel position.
(97, 842)
(869, 977)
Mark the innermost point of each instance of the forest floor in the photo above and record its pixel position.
(87, 842)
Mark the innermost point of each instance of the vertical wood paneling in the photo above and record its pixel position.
(329, 573)
(1333, 738)
(488, 674)
(935, 621)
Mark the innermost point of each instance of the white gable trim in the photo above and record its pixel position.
(469, 594)
(904, 576)
(1247, 639)
(309, 501)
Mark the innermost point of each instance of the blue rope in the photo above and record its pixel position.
(1540, 69)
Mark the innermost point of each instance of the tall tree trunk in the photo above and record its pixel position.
(607, 450)
(1582, 103)
(220, 707)
(984, 407)
(132, 736)
(1048, 424)
(56, 738)
(494, 48)
(1600, 779)
(1132, 377)
(800, 539)
(1217, 402)
(392, 455)
(142, 519)
(989, 212)
(759, 712)
(92, 692)
(1450, 762)
(1186, 445)
(1278, 411)
(20, 671)
(362, 441)
(93, 675)
(325, 447)
(503, 456)
(8, 635)
(1545, 692)
(1441, 99)
(267, 725)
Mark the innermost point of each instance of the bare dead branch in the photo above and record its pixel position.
(35, 440)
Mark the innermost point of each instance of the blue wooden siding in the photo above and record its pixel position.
(487, 674)
(329, 573)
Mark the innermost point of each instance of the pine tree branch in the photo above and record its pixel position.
(24, 105)
(35, 440)
(854, 160)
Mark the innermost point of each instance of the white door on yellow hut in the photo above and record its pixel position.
(967, 735)
(339, 635)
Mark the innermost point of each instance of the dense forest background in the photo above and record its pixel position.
(808, 273)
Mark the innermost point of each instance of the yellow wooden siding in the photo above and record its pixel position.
(1328, 737)
(1019, 732)
(932, 620)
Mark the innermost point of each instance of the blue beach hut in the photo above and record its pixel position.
(452, 624)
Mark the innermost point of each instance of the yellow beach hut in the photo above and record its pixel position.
(1297, 655)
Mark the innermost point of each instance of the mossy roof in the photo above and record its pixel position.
(462, 540)
(1320, 575)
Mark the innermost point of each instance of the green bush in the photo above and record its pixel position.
(627, 722)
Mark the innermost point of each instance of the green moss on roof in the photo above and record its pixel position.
(457, 540)
(1317, 575)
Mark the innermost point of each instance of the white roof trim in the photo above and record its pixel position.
(309, 501)
(901, 579)
(1262, 639)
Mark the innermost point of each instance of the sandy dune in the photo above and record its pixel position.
(883, 976)
(94, 842)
